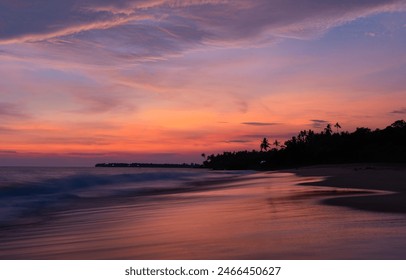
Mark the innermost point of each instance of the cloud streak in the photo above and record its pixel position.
(49, 19)
(260, 123)
(237, 141)
(151, 30)
(401, 111)
(97, 103)
(319, 123)
(10, 110)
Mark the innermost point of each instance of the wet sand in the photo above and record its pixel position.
(255, 215)
(391, 179)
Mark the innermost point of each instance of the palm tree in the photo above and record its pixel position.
(337, 125)
(277, 143)
(328, 130)
(264, 144)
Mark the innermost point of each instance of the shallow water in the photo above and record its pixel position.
(131, 213)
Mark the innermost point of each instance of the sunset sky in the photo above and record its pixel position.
(87, 81)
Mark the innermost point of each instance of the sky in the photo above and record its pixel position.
(86, 81)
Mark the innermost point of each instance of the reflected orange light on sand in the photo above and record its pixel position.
(251, 216)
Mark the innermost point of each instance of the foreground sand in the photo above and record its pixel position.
(206, 215)
(391, 179)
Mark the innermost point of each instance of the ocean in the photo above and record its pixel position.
(151, 213)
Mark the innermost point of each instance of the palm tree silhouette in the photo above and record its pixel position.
(337, 125)
(328, 130)
(264, 144)
(277, 143)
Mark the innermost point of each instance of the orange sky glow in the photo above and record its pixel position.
(165, 81)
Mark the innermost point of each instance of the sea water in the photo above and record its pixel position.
(152, 213)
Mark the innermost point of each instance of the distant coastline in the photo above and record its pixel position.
(150, 165)
(308, 148)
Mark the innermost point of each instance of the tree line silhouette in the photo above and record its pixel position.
(309, 147)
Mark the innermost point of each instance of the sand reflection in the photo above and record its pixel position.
(264, 216)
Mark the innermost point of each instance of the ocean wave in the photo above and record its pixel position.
(19, 199)
(22, 202)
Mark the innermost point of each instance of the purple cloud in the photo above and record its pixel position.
(400, 111)
(10, 110)
(149, 30)
(237, 141)
(101, 103)
(260, 123)
(319, 123)
(8, 152)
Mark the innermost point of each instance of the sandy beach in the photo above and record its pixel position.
(314, 212)
(389, 178)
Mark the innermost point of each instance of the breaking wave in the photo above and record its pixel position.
(23, 201)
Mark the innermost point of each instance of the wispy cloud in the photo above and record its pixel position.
(50, 19)
(260, 123)
(101, 103)
(237, 141)
(11, 110)
(150, 30)
(401, 111)
(72, 140)
(7, 152)
(370, 34)
(319, 123)
(286, 135)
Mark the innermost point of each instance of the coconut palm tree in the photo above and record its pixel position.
(264, 144)
(337, 125)
(328, 130)
(277, 143)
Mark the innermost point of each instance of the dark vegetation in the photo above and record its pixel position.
(328, 146)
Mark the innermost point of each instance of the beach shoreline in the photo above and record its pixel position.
(202, 214)
(388, 178)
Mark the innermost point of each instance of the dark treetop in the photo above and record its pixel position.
(328, 146)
